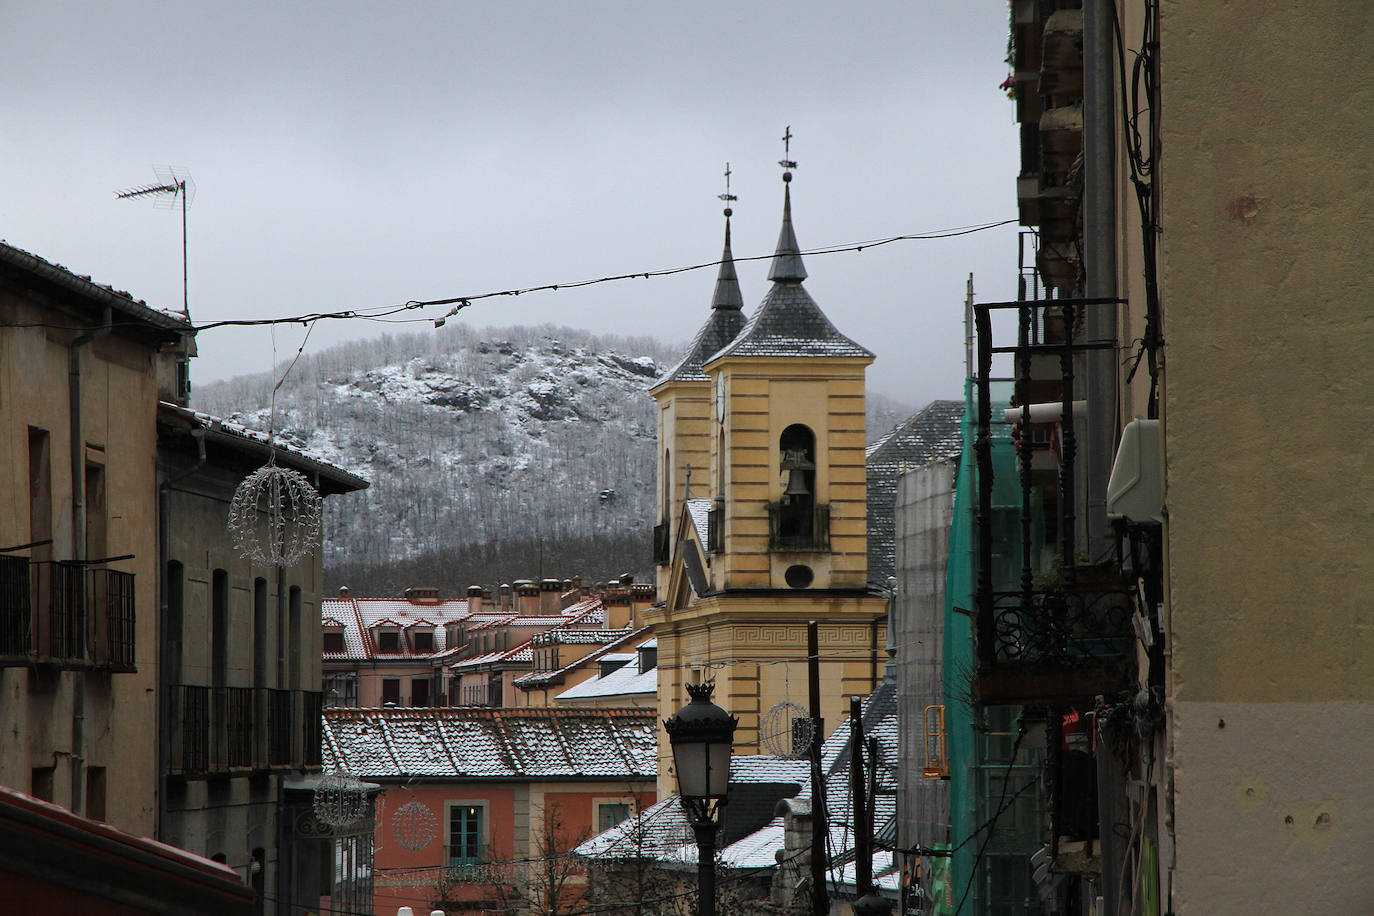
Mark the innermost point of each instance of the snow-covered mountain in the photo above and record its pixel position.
(468, 437)
(543, 436)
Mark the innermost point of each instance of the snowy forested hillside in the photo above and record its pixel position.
(539, 437)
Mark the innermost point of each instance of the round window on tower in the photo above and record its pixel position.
(799, 576)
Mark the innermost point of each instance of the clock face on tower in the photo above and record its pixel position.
(720, 398)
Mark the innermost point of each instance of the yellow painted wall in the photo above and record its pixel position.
(1267, 287)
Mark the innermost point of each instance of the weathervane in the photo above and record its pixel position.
(172, 183)
(786, 161)
(727, 196)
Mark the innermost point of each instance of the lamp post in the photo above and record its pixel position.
(701, 735)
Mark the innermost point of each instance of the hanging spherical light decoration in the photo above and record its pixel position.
(787, 730)
(340, 800)
(274, 516)
(415, 825)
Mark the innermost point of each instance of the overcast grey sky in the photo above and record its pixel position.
(351, 155)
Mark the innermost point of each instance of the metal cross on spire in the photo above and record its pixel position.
(727, 196)
(787, 161)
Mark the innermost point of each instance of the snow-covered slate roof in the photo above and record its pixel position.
(724, 322)
(537, 679)
(789, 323)
(327, 477)
(474, 743)
(99, 293)
(931, 434)
(623, 681)
(661, 831)
(359, 615)
(700, 510)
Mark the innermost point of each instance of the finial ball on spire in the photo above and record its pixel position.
(729, 212)
(786, 176)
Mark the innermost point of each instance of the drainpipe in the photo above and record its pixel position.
(78, 470)
(1099, 255)
(167, 665)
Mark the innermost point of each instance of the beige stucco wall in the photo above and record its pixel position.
(1266, 280)
(37, 708)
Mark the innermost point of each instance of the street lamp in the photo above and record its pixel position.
(701, 735)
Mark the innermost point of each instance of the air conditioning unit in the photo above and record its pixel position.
(1135, 492)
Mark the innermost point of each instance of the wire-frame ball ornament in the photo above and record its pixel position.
(788, 730)
(340, 800)
(274, 516)
(414, 825)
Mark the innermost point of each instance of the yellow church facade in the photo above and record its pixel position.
(763, 511)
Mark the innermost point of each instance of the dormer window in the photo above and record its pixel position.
(422, 640)
(389, 641)
(648, 658)
(333, 641)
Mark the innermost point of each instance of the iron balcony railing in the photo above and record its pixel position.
(279, 727)
(222, 730)
(1043, 635)
(661, 551)
(469, 862)
(312, 728)
(66, 612)
(237, 705)
(16, 609)
(790, 528)
(190, 724)
(112, 601)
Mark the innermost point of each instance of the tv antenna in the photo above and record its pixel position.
(173, 184)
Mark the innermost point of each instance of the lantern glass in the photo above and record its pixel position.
(703, 768)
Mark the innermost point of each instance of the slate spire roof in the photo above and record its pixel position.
(789, 322)
(727, 317)
(787, 266)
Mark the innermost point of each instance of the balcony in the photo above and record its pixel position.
(661, 547)
(469, 863)
(312, 729)
(798, 527)
(235, 704)
(86, 615)
(112, 601)
(190, 720)
(1047, 632)
(16, 610)
(66, 613)
(223, 731)
(279, 728)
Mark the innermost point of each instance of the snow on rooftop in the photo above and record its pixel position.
(490, 743)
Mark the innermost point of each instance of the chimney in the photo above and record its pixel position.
(505, 603)
(526, 597)
(343, 592)
(474, 599)
(550, 590)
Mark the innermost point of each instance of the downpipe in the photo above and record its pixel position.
(78, 472)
